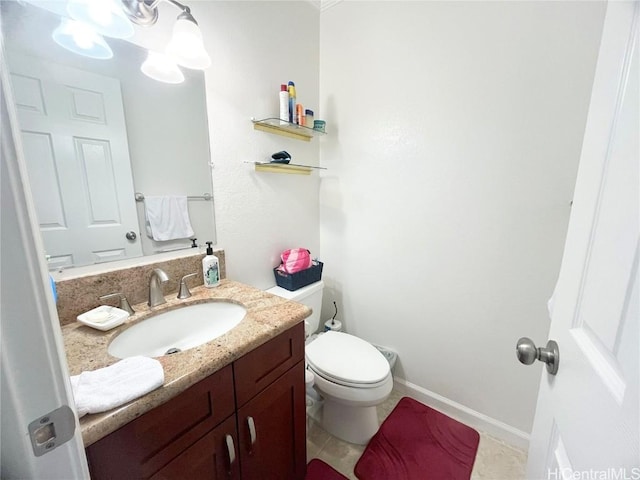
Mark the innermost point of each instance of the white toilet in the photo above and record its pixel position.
(351, 375)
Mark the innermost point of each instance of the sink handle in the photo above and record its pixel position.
(252, 431)
(124, 303)
(231, 449)
(184, 289)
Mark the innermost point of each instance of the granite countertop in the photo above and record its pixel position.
(267, 316)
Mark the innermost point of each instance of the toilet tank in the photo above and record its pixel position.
(311, 296)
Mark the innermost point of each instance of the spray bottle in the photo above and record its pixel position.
(284, 104)
(292, 103)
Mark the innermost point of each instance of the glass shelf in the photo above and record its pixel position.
(286, 129)
(293, 168)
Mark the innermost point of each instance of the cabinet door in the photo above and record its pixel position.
(272, 430)
(213, 457)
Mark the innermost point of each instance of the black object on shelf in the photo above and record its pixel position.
(294, 281)
(281, 157)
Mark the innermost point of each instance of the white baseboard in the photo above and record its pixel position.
(466, 415)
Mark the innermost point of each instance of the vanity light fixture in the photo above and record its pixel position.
(113, 18)
(161, 68)
(79, 38)
(105, 16)
(186, 46)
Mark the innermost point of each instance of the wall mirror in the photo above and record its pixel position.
(97, 132)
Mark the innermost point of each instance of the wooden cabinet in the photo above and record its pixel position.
(270, 397)
(246, 421)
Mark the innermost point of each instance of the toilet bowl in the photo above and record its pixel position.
(350, 374)
(353, 377)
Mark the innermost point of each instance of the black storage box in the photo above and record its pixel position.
(294, 281)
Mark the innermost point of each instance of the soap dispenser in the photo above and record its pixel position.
(210, 268)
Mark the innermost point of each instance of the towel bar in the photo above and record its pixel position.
(205, 196)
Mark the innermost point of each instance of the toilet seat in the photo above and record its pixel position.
(347, 360)
(345, 383)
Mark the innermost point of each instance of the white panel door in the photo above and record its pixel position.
(34, 378)
(587, 422)
(75, 144)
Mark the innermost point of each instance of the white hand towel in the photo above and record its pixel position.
(167, 217)
(106, 388)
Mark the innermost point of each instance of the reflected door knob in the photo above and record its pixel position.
(131, 235)
(527, 353)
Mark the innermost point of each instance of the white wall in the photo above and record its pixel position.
(254, 47)
(455, 136)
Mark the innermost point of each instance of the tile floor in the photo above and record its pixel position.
(495, 459)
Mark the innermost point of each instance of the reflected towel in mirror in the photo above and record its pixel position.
(167, 217)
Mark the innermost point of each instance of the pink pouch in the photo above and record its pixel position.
(295, 260)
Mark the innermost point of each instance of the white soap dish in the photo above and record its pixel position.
(104, 317)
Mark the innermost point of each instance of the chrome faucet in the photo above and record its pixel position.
(156, 297)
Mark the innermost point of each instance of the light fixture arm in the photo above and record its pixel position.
(154, 4)
(186, 11)
(177, 4)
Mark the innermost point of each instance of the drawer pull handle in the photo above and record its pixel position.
(231, 449)
(252, 430)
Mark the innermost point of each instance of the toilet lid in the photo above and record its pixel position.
(346, 358)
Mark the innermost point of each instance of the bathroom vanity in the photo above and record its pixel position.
(232, 408)
(244, 421)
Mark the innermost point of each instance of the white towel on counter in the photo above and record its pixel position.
(106, 388)
(167, 217)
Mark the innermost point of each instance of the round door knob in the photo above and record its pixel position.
(131, 235)
(527, 353)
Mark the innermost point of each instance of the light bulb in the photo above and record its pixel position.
(83, 36)
(99, 11)
(161, 68)
(80, 38)
(186, 46)
(104, 16)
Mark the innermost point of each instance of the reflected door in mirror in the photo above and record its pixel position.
(75, 145)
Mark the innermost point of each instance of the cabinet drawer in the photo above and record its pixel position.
(146, 444)
(260, 367)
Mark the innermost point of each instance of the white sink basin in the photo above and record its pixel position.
(181, 329)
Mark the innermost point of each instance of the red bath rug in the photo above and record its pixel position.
(416, 442)
(318, 470)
